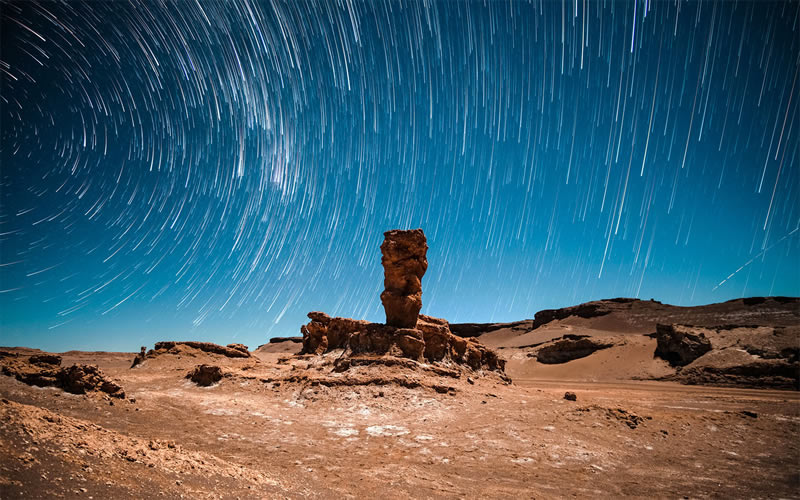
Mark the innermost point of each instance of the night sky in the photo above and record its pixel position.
(214, 171)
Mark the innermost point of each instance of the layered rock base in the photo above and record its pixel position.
(430, 341)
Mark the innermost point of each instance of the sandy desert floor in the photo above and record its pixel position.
(245, 438)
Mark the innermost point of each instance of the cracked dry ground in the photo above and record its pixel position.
(245, 438)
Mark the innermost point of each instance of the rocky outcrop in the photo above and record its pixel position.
(140, 357)
(280, 340)
(240, 347)
(570, 347)
(31, 373)
(430, 340)
(586, 310)
(758, 373)
(81, 379)
(45, 371)
(478, 329)
(190, 349)
(205, 375)
(240, 351)
(404, 264)
(680, 345)
(282, 345)
(45, 359)
(752, 356)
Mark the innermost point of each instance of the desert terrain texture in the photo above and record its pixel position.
(611, 398)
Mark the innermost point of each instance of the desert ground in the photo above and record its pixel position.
(277, 424)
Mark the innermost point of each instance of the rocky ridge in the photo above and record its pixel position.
(186, 347)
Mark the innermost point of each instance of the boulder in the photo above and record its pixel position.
(205, 375)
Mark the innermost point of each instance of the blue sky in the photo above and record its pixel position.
(218, 171)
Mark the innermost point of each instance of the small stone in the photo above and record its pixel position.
(570, 396)
(470, 380)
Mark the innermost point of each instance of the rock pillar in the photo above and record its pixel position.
(404, 263)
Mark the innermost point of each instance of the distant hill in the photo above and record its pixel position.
(752, 341)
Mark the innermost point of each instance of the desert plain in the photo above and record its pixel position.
(274, 423)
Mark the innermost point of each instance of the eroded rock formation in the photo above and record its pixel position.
(404, 264)
(240, 347)
(756, 356)
(231, 351)
(680, 345)
(205, 375)
(406, 334)
(44, 370)
(81, 379)
(430, 341)
(280, 340)
(570, 347)
(45, 359)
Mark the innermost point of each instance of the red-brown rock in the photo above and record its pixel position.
(205, 375)
(430, 341)
(81, 379)
(406, 334)
(231, 352)
(239, 347)
(404, 264)
(45, 372)
(45, 359)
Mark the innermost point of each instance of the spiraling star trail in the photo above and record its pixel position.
(215, 170)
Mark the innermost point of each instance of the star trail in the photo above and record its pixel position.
(215, 170)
